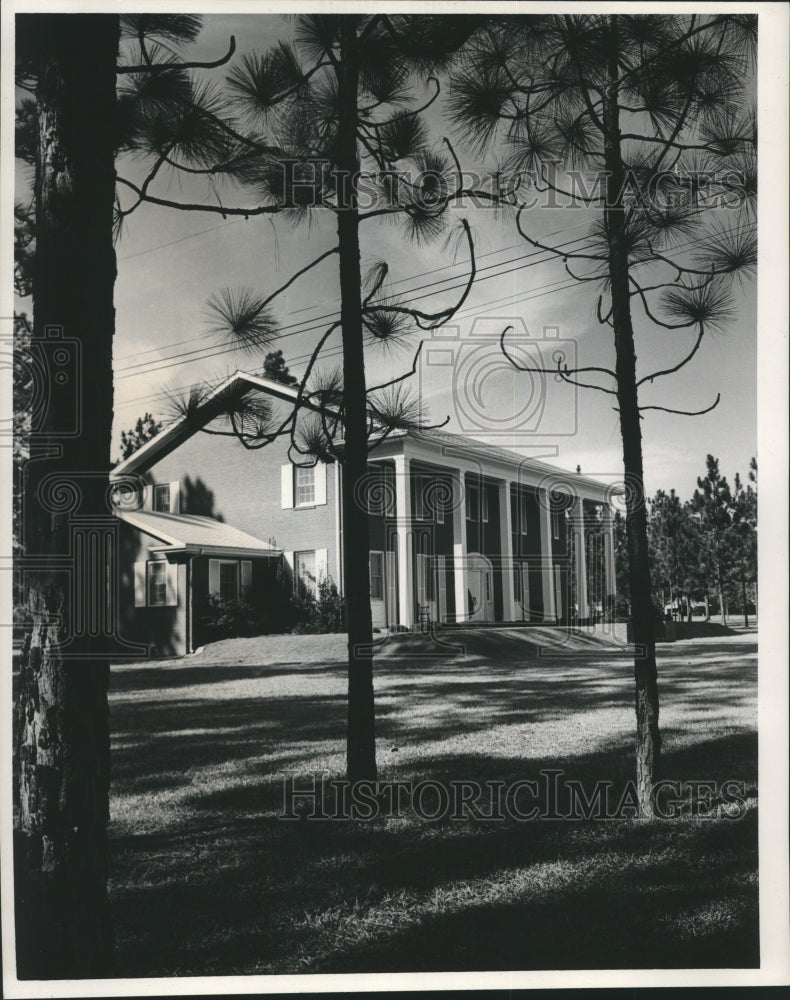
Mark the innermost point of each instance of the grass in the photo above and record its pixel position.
(207, 880)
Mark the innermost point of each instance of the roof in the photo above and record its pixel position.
(196, 535)
(171, 437)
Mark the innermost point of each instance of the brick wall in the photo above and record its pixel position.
(163, 629)
(220, 478)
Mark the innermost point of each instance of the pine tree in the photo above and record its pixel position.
(308, 117)
(643, 120)
(144, 430)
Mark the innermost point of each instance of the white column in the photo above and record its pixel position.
(506, 552)
(609, 557)
(581, 559)
(459, 546)
(403, 517)
(546, 560)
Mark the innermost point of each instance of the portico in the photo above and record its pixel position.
(479, 534)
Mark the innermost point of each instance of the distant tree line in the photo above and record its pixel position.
(702, 550)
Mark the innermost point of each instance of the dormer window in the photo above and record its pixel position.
(162, 499)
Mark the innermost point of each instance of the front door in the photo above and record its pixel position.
(426, 589)
(479, 589)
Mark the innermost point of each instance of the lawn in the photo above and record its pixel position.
(206, 879)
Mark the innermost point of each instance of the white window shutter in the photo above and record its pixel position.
(213, 576)
(175, 497)
(171, 580)
(321, 565)
(148, 491)
(286, 486)
(246, 574)
(288, 558)
(140, 584)
(320, 483)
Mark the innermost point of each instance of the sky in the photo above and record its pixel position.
(170, 262)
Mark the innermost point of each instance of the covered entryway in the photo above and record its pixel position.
(479, 588)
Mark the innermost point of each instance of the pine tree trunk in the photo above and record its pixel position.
(745, 606)
(62, 737)
(648, 738)
(361, 736)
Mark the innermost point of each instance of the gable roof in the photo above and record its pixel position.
(170, 437)
(196, 535)
(176, 433)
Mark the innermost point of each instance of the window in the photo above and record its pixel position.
(419, 498)
(304, 486)
(484, 503)
(229, 580)
(522, 505)
(555, 524)
(377, 576)
(162, 499)
(304, 572)
(472, 503)
(157, 583)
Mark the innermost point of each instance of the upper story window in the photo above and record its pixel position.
(161, 498)
(304, 485)
(472, 503)
(476, 503)
(522, 513)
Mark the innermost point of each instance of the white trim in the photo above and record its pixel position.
(338, 533)
(319, 484)
(381, 576)
(140, 572)
(403, 516)
(531, 471)
(177, 544)
(506, 551)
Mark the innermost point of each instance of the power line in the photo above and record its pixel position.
(400, 281)
(469, 311)
(296, 328)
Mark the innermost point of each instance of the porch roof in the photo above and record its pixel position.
(197, 535)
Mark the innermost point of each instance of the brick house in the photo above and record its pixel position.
(460, 531)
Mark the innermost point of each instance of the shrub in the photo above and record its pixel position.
(230, 619)
(322, 613)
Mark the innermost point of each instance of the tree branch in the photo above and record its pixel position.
(681, 364)
(152, 67)
(564, 373)
(183, 207)
(684, 413)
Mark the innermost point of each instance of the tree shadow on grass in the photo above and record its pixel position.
(257, 893)
(214, 883)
